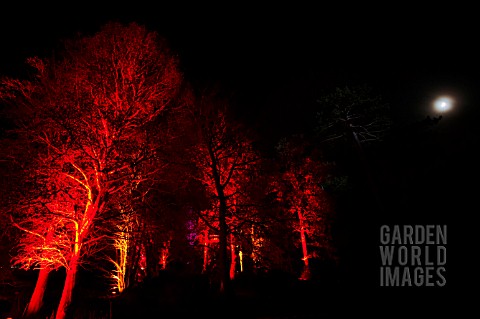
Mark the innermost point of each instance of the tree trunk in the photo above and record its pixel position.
(122, 250)
(222, 238)
(233, 258)
(306, 269)
(205, 251)
(254, 254)
(223, 263)
(240, 260)
(367, 171)
(66, 298)
(36, 301)
(165, 252)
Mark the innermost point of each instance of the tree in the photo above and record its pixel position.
(225, 161)
(92, 112)
(28, 200)
(300, 189)
(353, 117)
(352, 114)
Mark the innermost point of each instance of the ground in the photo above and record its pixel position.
(278, 295)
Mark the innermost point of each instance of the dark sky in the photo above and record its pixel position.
(279, 55)
(277, 60)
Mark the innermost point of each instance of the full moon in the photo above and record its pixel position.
(443, 104)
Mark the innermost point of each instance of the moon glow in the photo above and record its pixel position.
(443, 104)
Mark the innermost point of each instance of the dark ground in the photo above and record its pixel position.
(277, 295)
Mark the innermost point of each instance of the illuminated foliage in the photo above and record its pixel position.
(300, 190)
(225, 161)
(115, 169)
(92, 112)
(122, 242)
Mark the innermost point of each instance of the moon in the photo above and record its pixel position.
(443, 104)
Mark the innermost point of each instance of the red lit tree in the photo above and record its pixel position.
(32, 206)
(141, 238)
(226, 163)
(301, 193)
(92, 114)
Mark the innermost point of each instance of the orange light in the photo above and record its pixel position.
(240, 256)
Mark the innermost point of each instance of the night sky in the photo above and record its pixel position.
(277, 60)
(265, 54)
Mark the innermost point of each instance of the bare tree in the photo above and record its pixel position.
(92, 112)
(225, 159)
(353, 116)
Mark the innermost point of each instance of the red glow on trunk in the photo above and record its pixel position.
(164, 254)
(66, 298)
(306, 269)
(205, 250)
(36, 300)
(233, 258)
(301, 190)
